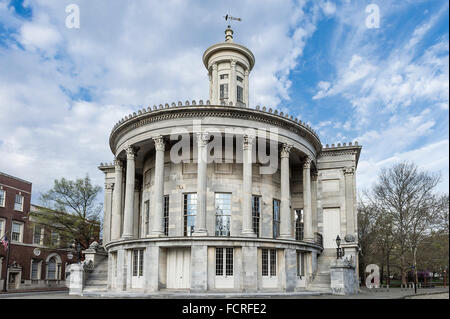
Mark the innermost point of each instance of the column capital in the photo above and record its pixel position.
(314, 175)
(307, 162)
(214, 66)
(285, 150)
(109, 187)
(247, 141)
(159, 143)
(131, 152)
(118, 164)
(349, 170)
(233, 62)
(203, 138)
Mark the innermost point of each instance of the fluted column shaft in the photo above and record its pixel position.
(285, 210)
(307, 211)
(107, 212)
(246, 94)
(214, 84)
(200, 220)
(129, 193)
(247, 225)
(157, 203)
(349, 173)
(116, 219)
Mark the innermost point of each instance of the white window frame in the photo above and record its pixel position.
(41, 235)
(21, 204)
(301, 264)
(39, 269)
(21, 232)
(270, 263)
(52, 232)
(2, 227)
(3, 198)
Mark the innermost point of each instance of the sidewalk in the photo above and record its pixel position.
(19, 291)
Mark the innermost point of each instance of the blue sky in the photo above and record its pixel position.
(62, 90)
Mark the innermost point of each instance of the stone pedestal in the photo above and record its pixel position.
(343, 279)
(249, 269)
(199, 268)
(76, 283)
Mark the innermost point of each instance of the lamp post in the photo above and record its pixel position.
(339, 251)
(77, 248)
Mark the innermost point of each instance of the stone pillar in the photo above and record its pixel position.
(233, 97)
(137, 209)
(315, 226)
(116, 213)
(129, 193)
(121, 284)
(290, 268)
(349, 204)
(247, 225)
(202, 156)
(199, 268)
(308, 232)
(108, 211)
(249, 268)
(246, 93)
(157, 203)
(76, 279)
(214, 85)
(151, 268)
(285, 203)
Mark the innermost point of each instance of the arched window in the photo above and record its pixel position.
(51, 272)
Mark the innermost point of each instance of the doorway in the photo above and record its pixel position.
(178, 268)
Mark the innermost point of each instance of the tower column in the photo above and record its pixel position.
(349, 195)
(156, 215)
(233, 97)
(247, 225)
(109, 187)
(308, 234)
(129, 193)
(200, 220)
(117, 200)
(214, 85)
(246, 94)
(285, 209)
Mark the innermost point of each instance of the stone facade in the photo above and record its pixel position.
(252, 202)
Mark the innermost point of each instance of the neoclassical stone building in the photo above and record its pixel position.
(220, 196)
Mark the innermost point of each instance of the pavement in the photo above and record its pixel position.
(392, 293)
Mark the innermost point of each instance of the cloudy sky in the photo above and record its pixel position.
(62, 89)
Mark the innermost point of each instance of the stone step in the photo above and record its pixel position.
(96, 282)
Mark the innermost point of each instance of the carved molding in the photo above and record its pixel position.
(159, 143)
(109, 187)
(307, 162)
(131, 152)
(202, 139)
(247, 141)
(285, 150)
(118, 164)
(349, 170)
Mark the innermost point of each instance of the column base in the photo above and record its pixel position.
(286, 236)
(156, 234)
(200, 232)
(248, 233)
(127, 236)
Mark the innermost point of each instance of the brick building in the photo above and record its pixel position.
(32, 262)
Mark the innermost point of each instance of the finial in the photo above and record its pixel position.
(229, 31)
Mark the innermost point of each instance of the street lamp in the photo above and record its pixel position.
(339, 251)
(77, 248)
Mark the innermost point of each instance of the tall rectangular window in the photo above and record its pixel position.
(276, 218)
(223, 214)
(301, 266)
(239, 78)
(240, 94)
(224, 76)
(224, 91)
(2, 227)
(138, 262)
(147, 216)
(16, 234)
(269, 262)
(166, 215)
(224, 261)
(37, 235)
(299, 224)
(2, 197)
(190, 211)
(256, 214)
(18, 202)
(54, 237)
(34, 269)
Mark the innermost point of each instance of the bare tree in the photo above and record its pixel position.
(72, 211)
(405, 196)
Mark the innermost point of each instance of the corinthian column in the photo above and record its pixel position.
(308, 234)
(116, 219)
(200, 220)
(214, 85)
(285, 210)
(247, 226)
(109, 187)
(233, 96)
(246, 89)
(129, 193)
(158, 193)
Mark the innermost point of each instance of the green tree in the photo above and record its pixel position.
(72, 211)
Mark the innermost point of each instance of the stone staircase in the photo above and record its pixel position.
(322, 278)
(97, 280)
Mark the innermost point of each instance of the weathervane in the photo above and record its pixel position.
(230, 18)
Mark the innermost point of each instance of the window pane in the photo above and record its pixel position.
(190, 211)
(256, 213)
(34, 269)
(166, 215)
(265, 262)
(37, 235)
(273, 262)
(52, 268)
(223, 214)
(219, 261)
(18, 203)
(224, 91)
(16, 228)
(135, 262)
(141, 262)
(299, 224)
(229, 262)
(2, 198)
(240, 93)
(276, 218)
